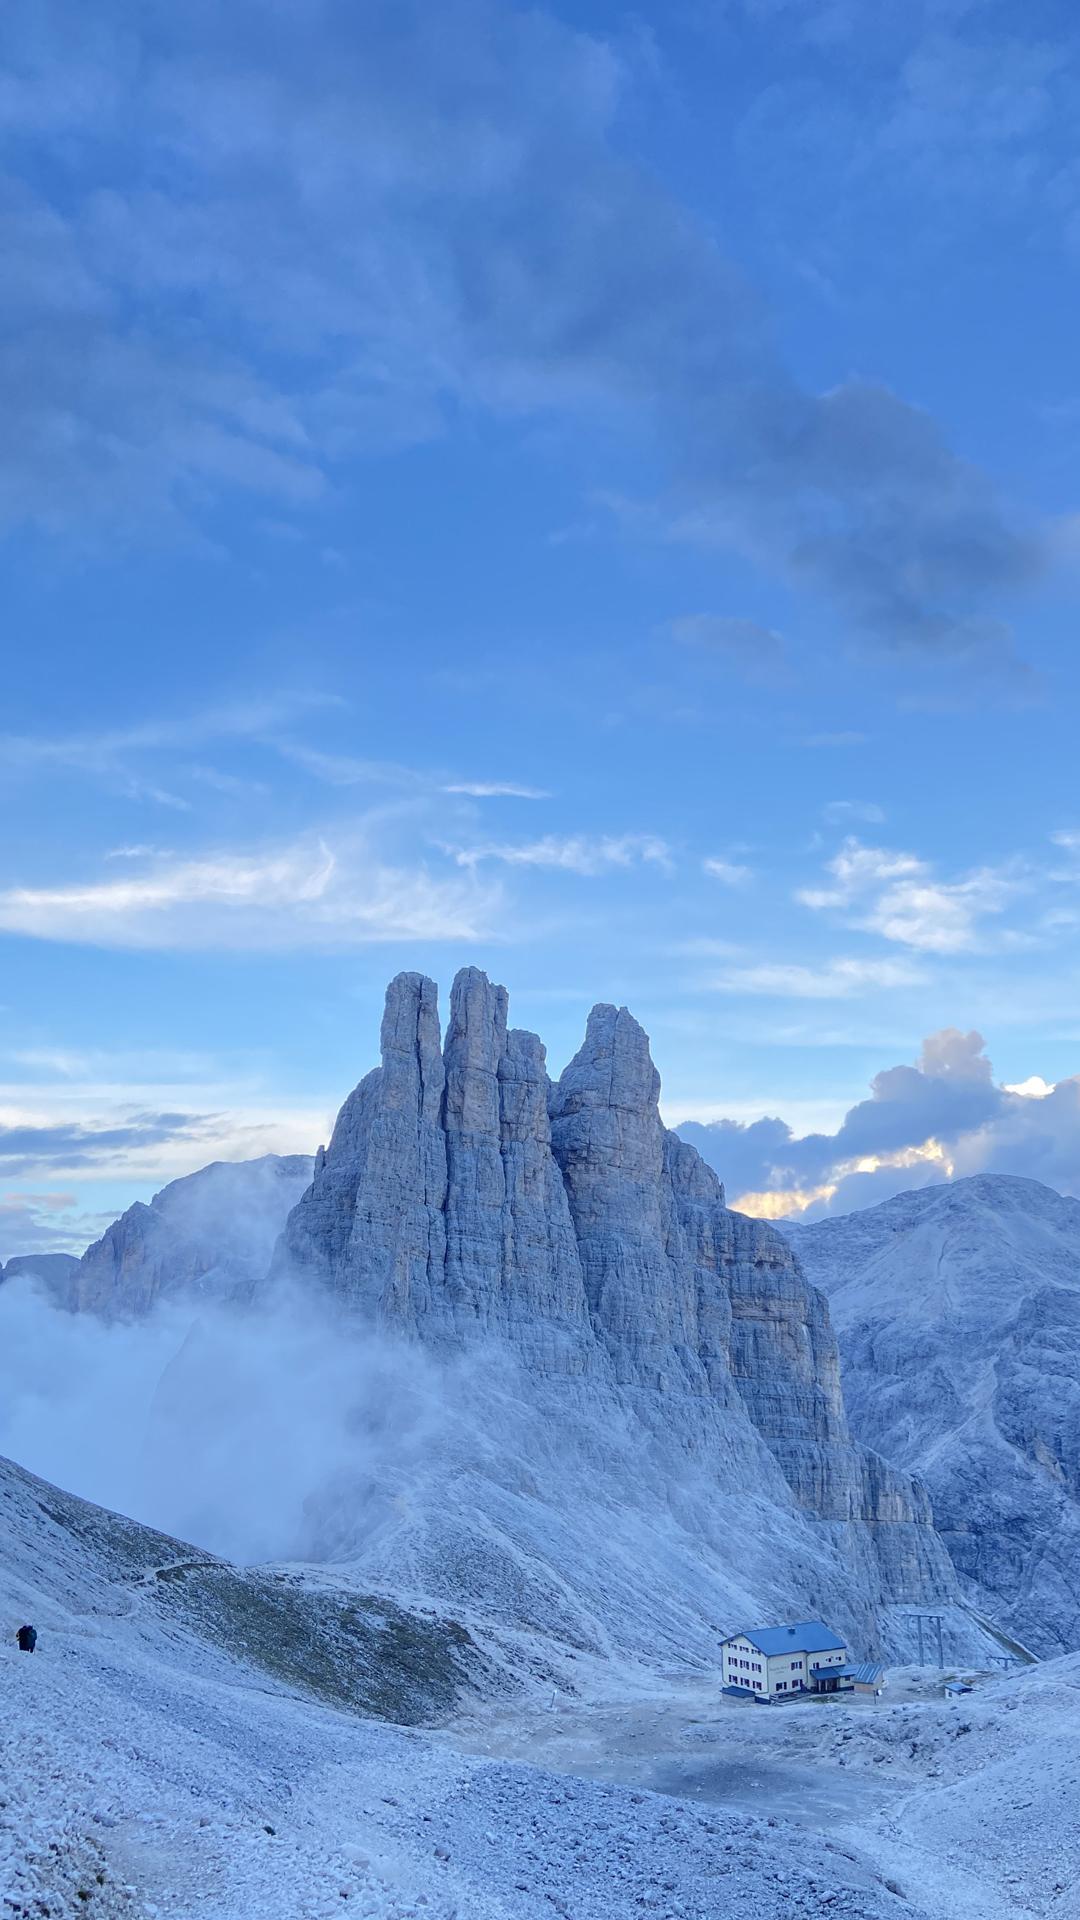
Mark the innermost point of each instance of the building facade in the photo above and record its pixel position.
(777, 1663)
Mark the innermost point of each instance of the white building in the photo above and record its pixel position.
(777, 1662)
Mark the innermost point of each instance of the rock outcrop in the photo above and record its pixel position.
(212, 1231)
(53, 1270)
(674, 1377)
(958, 1312)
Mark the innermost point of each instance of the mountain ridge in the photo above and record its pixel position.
(958, 1316)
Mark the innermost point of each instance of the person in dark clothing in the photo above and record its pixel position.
(27, 1638)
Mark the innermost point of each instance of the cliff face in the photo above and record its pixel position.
(466, 1201)
(212, 1231)
(958, 1309)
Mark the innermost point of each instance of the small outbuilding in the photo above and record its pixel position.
(863, 1677)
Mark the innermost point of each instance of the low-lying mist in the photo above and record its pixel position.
(244, 1431)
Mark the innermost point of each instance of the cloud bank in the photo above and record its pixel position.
(235, 1431)
(945, 1117)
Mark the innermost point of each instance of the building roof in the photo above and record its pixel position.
(864, 1675)
(803, 1636)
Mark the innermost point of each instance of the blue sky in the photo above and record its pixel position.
(583, 491)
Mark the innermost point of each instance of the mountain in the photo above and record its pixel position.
(958, 1312)
(645, 1440)
(213, 1231)
(54, 1270)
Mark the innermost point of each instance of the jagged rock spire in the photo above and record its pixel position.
(464, 1197)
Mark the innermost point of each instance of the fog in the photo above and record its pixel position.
(240, 1431)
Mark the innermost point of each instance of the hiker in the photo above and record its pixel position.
(27, 1639)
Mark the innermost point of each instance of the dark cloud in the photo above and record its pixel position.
(70, 1144)
(381, 216)
(43, 1224)
(946, 1115)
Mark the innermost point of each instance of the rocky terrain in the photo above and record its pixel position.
(212, 1231)
(172, 1752)
(958, 1314)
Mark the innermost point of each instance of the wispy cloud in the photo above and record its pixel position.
(838, 812)
(834, 980)
(346, 769)
(495, 789)
(756, 653)
(897, 895)
(304, 894)
(728, 872)
(575, 853)
(109, 749)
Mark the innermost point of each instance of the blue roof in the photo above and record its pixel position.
(803, 1636)
(866, 1674)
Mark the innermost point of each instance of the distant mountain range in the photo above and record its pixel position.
(957, 1310)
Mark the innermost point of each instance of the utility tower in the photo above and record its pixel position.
(924, 1622)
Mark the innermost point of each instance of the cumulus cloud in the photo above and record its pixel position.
(899, 896)
(304, 894)
(385, 215)
(945, 1116)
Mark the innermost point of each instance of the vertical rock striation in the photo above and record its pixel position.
(467, 1202)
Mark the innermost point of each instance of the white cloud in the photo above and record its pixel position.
(896, 894)
(728, 872)
(306, 894)
(346, 769)
(107, 751)
(494, 789)
(839, 811)
(834, 980)
(575, 853)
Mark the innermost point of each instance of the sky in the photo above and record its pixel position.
(584, 491)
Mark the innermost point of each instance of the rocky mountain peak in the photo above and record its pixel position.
(464, 1199)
